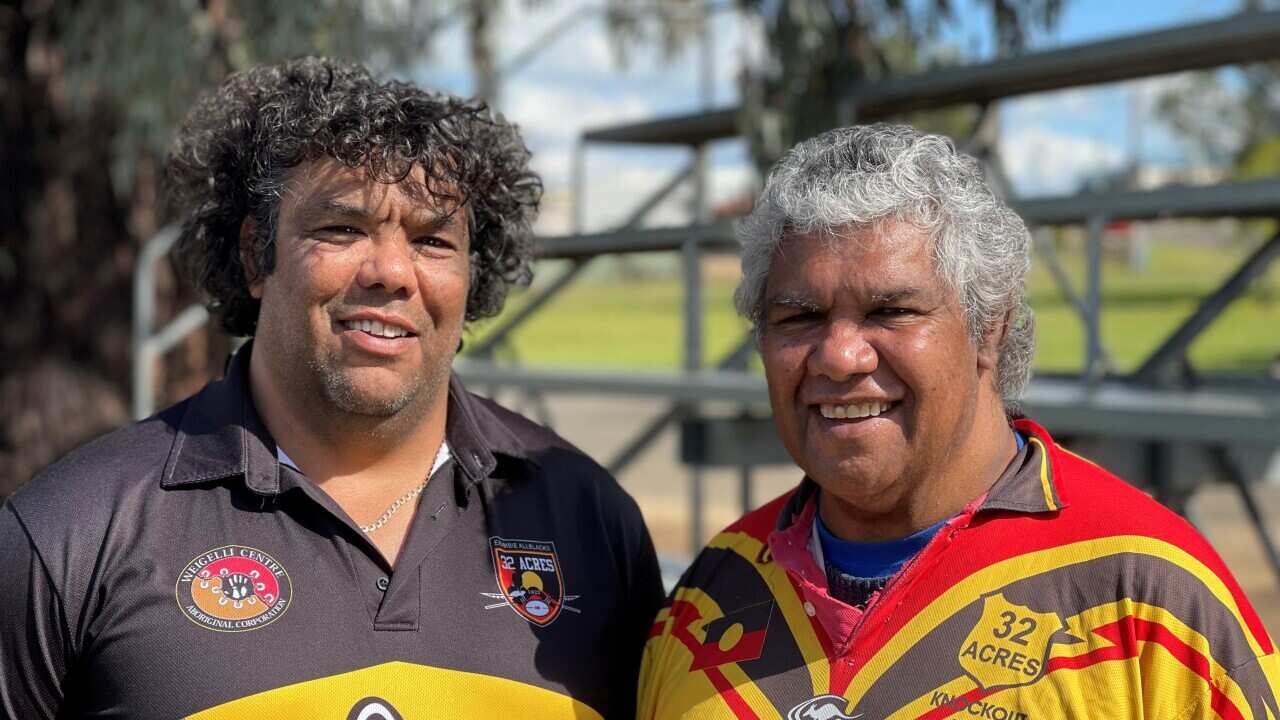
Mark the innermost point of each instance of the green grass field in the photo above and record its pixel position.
(607, 322)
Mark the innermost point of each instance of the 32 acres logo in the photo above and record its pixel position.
(529, 579)
(233, 589)
(1009, 645)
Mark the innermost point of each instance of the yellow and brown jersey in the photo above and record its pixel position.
(1062, 593)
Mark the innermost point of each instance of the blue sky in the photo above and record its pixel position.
(1050, 141)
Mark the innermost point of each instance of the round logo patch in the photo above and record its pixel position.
(233, 589)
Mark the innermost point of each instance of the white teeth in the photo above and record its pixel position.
(375, 328)
(854, 411)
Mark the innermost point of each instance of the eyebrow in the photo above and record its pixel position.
(892, 296)
(336, 208)
(797, 302)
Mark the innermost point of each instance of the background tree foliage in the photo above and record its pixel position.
(1229, 118)
(818, 48)
(89, 95)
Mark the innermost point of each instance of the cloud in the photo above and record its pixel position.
(1051, 106)
(572, 83)
(1042, 161)
(555, 115)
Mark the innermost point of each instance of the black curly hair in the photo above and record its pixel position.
(232, 154)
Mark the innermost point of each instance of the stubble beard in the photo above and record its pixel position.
(348, 403)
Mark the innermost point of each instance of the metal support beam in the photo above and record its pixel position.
(580, 262)
(1162, 365)
(1044, 247)
(545, 295)
(716, 236)
(1231, 472)
(641, 442)
(737, 358)
(637, 216)
(1242, 38)
(691, 256)
(578, 189)
(1255, 198)
(1093, 367)
(148, 347)
(1113, 408)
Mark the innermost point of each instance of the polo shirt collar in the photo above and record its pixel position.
(1027, 485)
(221, 436)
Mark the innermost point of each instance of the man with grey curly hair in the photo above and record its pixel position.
(337, 528)
(942, 556)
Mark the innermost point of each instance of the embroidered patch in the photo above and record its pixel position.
(233, 589)
(529, 580)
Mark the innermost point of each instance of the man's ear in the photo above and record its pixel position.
(249, 230)
(989, 349)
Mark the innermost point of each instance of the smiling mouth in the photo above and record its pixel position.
(376, 329)
(855, 411)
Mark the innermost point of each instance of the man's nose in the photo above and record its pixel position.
(843, 352)
(388, 265)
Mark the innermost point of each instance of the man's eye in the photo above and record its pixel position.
(893, 311)
(433, 241)
(795, 318)
(337, 230)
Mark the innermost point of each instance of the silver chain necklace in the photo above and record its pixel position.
(400, 501)
(415, 492)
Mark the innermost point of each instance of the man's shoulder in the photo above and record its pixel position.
(520, 437)
(523, 432)
(87, 484)
(1115, 518)
(1095, 495)
(740, 549)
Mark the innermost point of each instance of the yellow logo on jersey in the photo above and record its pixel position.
(1009, 645)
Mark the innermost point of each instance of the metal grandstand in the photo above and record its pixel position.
(1164, 407)
(1161, 406)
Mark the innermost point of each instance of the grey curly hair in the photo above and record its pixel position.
(865, 175)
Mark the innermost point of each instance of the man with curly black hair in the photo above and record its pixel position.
(335, 527)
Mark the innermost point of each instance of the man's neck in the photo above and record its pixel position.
(939, 493)
(328, 444)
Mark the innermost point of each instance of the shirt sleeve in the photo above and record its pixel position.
(665, 662)
(33, 636)
(644, 596)
(651, 675)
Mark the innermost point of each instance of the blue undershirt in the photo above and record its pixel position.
(872, 559)
(877, 559)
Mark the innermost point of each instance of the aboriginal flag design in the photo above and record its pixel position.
(1063, 593)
